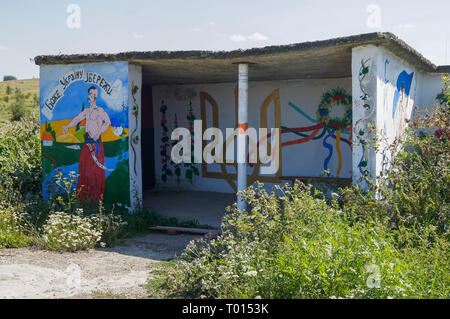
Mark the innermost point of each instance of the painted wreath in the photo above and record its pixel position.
(335, 98)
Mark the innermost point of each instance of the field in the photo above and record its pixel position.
(29, 88)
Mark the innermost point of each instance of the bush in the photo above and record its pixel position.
(70, 232)
(9, 78)
(301, 246)
(413, 188)
(18, 111)
(12, 233)
(20, 156)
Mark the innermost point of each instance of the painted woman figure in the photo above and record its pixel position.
(91, 167)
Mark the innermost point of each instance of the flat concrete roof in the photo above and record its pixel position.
(308, 60)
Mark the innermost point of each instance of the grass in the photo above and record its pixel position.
(156, 282)
(301, 245)
(29, 88)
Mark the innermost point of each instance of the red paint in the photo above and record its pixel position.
(91, 181)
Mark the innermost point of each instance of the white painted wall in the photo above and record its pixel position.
(134, 119)
(381, 100)
(430, 87)
(306, 159)
(364, 83)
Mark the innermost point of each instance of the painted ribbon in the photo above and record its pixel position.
(330, 150)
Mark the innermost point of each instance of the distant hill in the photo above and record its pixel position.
(30, 90)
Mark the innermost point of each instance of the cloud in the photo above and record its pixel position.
(238, 38)
(3, 48)
(257, 37)
(118, 96)
(137, 36)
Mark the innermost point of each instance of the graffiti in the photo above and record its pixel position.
(331, 100)
(169, 167)
(359, 132)
(330, 154)
(165, 158)
(401, 95)
(362, 162)
(386, 62)
(231, 177)
(176, 166)
(80, 121)
(135, 113)
(328, 123)
(363, 71)
(191, 169)
(403, 87)
(331, 125)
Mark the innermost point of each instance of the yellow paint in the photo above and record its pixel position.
(225, 174)
(338, 149)
(69, 136)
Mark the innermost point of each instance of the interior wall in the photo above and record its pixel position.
(148, 139)
(298, 100)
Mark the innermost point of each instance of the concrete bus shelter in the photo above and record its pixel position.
(322, 96)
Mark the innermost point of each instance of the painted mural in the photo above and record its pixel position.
(399, 96)
(170, 168)
(385, 93)
(365, 106)
(84, 131)
(330, 127)
(400, 102)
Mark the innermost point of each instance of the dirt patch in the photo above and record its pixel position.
(121, 270)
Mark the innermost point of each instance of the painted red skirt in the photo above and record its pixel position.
(91, 179)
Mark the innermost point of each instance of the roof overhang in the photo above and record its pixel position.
(307, 60)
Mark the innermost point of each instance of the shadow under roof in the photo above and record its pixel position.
(308, 60)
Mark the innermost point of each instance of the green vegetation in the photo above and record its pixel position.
(18, 98)
(9, 78)
(61, 223)
(301, 245)
(390, 242)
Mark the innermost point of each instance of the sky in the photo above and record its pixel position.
(30, 28)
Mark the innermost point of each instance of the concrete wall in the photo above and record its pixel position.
(104, 170)
(386, 90)
(431, 86)
(134, 114)
(298, 106)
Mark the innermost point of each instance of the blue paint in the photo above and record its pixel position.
(404, 81)
(295, 107)
(385, 73)
(77, 92)
(110, 162)
(330, 150)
